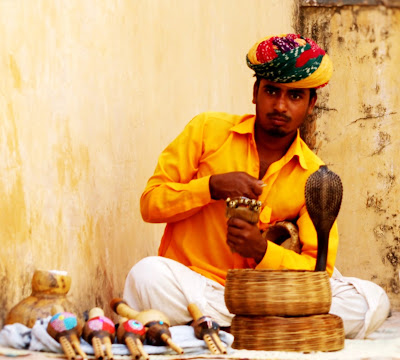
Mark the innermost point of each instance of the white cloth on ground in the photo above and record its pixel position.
(365, 304)
(164, 284)
(19, 336)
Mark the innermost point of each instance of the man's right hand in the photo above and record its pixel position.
(235, 184)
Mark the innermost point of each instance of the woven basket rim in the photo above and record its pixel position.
(323, 332)
(276, 292)
(274, 270)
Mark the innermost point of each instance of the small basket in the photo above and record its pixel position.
(273, 333)
(277, 292)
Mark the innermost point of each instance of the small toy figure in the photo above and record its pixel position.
(206, 329)
(99, 330)
(132, 333)
(66, 329)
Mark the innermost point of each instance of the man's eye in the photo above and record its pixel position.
(296, 96)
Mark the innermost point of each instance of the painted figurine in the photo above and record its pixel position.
(99, 330)
(206, 329)
(66, 329)
(132, 333)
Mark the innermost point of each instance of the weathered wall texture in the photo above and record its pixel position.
(358, 134)
(90, 93)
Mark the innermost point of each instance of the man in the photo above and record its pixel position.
(258, 156)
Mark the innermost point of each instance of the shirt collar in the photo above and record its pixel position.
(296, 149)
(246, 126)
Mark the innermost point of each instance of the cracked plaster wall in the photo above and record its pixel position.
(356, 131)
(90, 93)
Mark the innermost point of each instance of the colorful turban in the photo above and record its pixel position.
(290, 59)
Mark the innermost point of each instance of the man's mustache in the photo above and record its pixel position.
(279, 115)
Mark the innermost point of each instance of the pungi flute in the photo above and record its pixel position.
(207, 329)
(99, 330)
(132, 333)
(66, 329)
(155, 321)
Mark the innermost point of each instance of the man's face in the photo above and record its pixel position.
(281, 110)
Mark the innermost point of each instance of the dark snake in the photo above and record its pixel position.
(323, 193)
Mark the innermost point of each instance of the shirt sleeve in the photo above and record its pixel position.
(277, 257)
(174, 192)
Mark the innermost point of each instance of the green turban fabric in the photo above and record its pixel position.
(292, 60)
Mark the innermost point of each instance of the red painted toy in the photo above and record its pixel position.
(99, 330)
(132, 333)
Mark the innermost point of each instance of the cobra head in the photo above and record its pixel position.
(323, 193)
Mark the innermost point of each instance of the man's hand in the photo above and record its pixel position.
(246, 239)
(235, 184)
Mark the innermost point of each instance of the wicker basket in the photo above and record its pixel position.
(273, 333)
(277, 292)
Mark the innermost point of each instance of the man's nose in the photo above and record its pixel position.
(281, 103)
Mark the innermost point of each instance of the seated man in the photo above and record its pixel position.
(259, 156)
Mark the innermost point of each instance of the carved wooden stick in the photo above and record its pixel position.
(155, 321)
(207, 329)
(67, 348)
(66, 329)
(132, 333)
(98, 348)
(99, 330)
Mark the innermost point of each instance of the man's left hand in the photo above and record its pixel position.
(246, 239)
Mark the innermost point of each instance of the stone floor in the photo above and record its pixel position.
(384, 344)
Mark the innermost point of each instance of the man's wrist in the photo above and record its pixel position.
(259, 258)
(211, 187)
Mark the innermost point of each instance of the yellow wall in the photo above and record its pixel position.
(357, 133)
(90, 93)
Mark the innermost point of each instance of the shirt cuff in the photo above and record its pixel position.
(200, 188)
(273, 257)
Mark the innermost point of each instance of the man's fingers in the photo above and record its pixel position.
(258, 188)
(236, 222)
(234, 243)
(230, 244)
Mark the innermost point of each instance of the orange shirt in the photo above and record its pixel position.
(178, 194)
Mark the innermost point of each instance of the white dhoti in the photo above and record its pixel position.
(166, 285)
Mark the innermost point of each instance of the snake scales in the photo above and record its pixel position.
(323, 193)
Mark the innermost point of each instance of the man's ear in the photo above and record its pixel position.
(255, 90)
(311, 105)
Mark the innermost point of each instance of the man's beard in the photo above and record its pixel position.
(276, 132)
